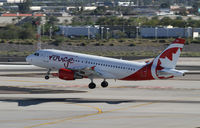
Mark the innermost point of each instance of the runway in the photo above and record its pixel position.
(29, 101)
(32, 102)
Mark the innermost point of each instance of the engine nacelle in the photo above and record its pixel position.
(66, 74)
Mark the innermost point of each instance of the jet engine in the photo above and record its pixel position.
(66, 74)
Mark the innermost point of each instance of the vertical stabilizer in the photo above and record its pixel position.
(168, 58)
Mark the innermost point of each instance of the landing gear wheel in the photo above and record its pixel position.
(92, 85)
(46, 77)
(104, 84)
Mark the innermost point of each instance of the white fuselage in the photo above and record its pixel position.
(71, 66)
(109, 67)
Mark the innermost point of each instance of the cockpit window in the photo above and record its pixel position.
(36, 54)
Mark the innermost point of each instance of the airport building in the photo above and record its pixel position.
(132, 32)
(169, 32)
(78, 31)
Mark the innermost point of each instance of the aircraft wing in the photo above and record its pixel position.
(91, 72)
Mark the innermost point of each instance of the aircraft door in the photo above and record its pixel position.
(46, 58)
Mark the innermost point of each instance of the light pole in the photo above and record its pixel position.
(88, 32)
(188, 35)
(38, 35)
(107, 29)
(156, 32)
(102, 33)
(50, 34)
(63, 31)
(137, 32)
(43, 28)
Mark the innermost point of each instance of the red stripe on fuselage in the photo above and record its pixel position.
(142, 74)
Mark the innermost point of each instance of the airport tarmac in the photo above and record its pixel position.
(29, 101)
(32, 102)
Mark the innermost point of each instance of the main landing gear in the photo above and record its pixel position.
(104, 84)
(47, 75)
(92, 85)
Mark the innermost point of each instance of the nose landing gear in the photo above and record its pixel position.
(47, 75)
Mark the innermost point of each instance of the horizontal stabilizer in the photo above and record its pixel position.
(171, 72)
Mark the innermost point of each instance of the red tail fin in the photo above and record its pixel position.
(168, 58)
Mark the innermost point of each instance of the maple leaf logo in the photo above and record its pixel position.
(167, 63)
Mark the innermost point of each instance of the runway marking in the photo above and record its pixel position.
(87, 115)
(34, 119)
(99, 111)
(134, 106)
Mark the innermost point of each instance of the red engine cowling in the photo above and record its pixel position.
(66, 74)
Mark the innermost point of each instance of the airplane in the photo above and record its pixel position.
(72, 66)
